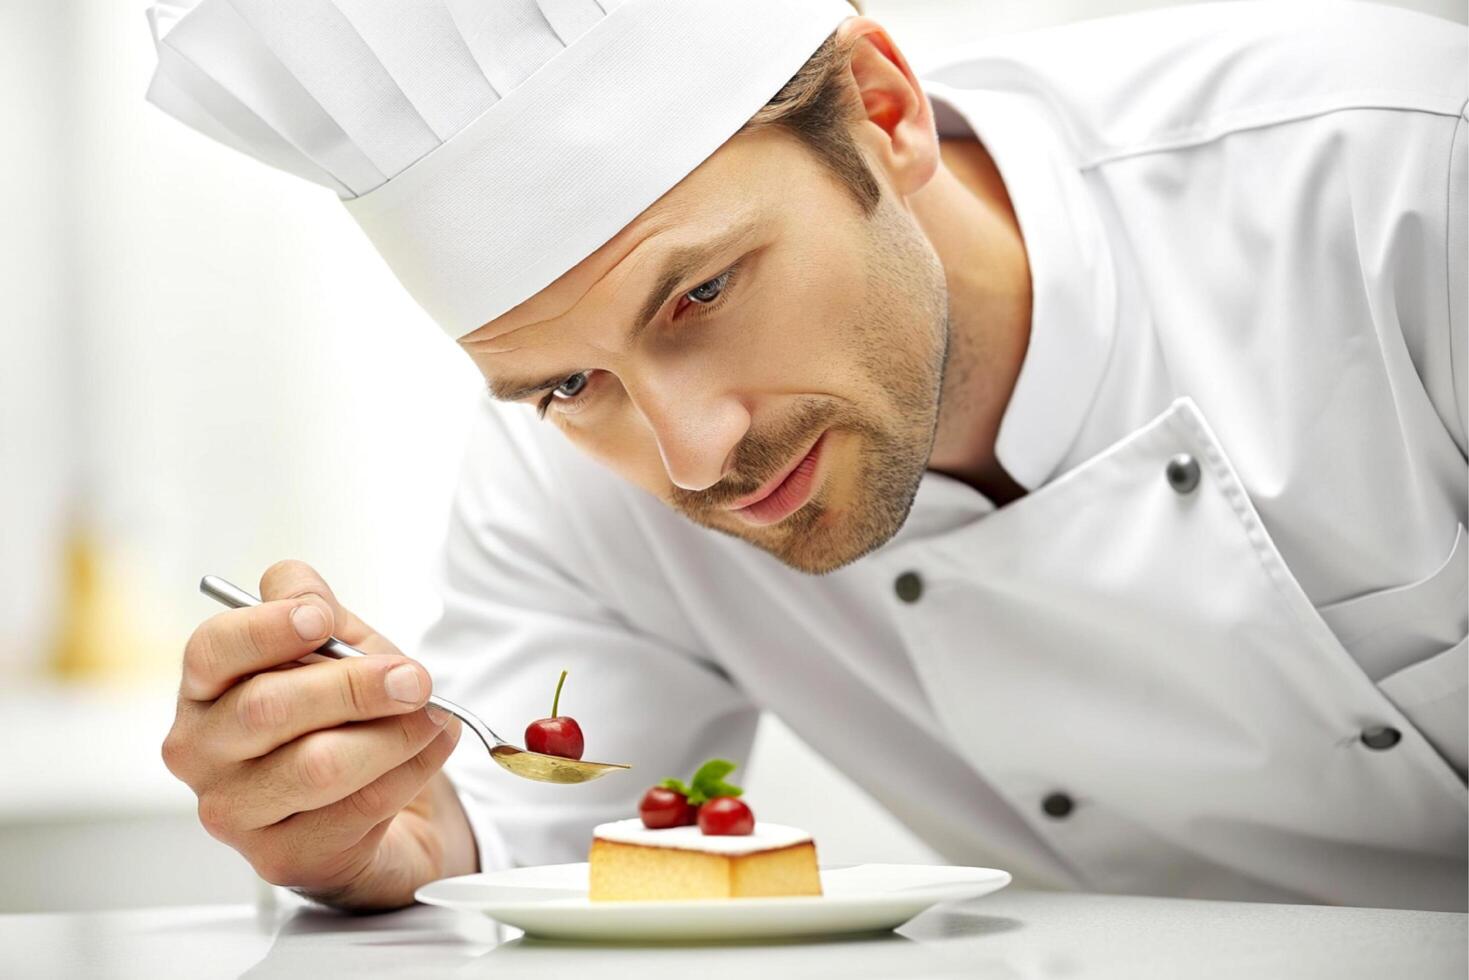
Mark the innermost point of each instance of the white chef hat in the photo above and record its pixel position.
(484, 146)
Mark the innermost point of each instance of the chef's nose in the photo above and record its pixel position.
(697, 432)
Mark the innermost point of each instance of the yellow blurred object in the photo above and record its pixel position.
(100, 637)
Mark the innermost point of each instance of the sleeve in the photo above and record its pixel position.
(1423, 233)
(1456, 194)
(1411, 184)
(1409, 203)
(521, 603)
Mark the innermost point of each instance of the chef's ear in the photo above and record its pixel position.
(898, 132)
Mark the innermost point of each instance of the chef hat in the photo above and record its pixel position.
(484, 146)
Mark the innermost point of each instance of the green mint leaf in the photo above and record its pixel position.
(709, 782)
(713, 771)
(676, 785)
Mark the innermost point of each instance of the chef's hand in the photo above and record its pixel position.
(325, 776)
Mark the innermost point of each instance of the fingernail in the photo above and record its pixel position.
(309, 621)
(402, 684)
(437, 715)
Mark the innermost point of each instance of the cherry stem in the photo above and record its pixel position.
(556, 702)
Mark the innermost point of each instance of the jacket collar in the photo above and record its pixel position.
(1073, 283)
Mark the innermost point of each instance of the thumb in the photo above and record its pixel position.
(291, 579)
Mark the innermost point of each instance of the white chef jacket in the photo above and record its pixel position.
(1241, 420)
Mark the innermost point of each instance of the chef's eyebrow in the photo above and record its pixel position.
(678, 265)
(514, 391)
(682, 262)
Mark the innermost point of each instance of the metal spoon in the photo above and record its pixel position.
(512, 758)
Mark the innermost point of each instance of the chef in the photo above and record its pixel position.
(1066, 440)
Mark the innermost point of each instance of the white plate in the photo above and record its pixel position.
(551, 902)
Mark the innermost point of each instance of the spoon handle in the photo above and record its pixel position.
(235, 597)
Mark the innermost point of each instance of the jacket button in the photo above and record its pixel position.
(908, 586)
(1183, 473)
(1058, 805)
(1381, 737)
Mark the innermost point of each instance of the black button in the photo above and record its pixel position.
(1058, 805)
(908, 586)
(1183, 473)
(1381, 737)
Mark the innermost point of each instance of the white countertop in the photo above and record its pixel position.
(1011, 934)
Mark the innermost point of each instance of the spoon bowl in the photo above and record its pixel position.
(549, 768)
(511, 758)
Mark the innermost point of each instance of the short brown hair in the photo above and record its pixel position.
(818, 106)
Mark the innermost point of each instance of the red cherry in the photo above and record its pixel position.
(662, 808)
(558, 734)
(555, 736)
(726, 816)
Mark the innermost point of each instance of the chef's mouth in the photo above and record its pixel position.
(777, 452)
(786, 492)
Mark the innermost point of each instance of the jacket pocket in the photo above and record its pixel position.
(1434, 695)
(1389, 631)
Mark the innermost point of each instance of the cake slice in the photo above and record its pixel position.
(630, 862)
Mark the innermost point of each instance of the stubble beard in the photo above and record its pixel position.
(905, 343)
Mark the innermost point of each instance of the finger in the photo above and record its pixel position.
(180, 748)
(345, 823)
(291, 579)
(323, 767)
(270, 709)
(239, 642)
(326, 876)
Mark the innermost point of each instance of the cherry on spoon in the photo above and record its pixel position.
(512, 758)
(559, 734)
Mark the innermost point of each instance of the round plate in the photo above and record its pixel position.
(551, 902)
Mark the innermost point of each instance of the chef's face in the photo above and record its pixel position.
(754, 334)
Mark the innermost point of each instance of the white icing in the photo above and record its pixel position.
(767, 837)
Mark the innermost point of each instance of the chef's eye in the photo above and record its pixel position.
(569, 396)
(708, 292)
(571, 387)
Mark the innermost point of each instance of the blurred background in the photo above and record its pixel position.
(204, 368)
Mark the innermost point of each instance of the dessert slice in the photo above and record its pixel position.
(700, 841)
(631, 862)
